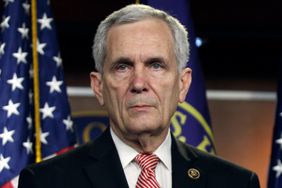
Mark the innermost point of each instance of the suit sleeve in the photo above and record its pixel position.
(254, 181)
(27, 179)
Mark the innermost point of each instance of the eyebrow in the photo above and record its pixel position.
(129, 61)
(122, 60)
(154, 59)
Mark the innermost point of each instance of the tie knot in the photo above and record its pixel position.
(147, 161)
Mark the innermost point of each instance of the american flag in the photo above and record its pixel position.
(275, 169)
(17, 132)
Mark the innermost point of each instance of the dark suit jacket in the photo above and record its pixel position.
(97, 165)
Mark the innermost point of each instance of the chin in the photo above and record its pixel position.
(144, 129)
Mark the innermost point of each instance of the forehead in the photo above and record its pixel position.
(149, 36)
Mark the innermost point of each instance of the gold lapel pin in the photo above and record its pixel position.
(193, 173)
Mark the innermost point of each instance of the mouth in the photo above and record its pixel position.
(140, 107)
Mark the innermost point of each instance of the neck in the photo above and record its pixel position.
(144, 142)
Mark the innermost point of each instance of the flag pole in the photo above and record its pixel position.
(38, 157)
(137, 1)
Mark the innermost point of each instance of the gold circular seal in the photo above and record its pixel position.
(194, 173)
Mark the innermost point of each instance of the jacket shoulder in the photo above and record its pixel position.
(65, 170)
(220, 171)
(70, 158)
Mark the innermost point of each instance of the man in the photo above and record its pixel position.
(140, 54)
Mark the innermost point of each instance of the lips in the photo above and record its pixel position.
(141, 102)
(140, 106)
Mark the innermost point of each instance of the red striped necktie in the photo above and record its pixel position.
(148, 163)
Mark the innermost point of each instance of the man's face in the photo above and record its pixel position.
(140, 86)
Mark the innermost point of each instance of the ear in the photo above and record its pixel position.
(97, 86)
(184, 83)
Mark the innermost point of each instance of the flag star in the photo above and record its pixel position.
(5, 23)
(279, 141)
(4, 163)
(30, 96)
(11, 108)
(43, 136)
(2, 46)
(31, 73)
(45, 22)
(69, 123)
(40, 47)
(24, 31)
(58, 60)
(7, 136)
(54, 85)
(26, 7)
(28, 146)
(278, 168)
(20, 55)
(29, 121)
(47, 111)
(7, 2)
(280, 114)
(16, 82)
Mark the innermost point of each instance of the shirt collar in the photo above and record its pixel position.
(164, 151)
(127, 153)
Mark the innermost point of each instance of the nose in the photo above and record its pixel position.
(139, 81)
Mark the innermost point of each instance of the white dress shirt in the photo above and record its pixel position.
(131, 168)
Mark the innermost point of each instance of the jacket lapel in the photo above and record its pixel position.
(106, 169)
(185, 171)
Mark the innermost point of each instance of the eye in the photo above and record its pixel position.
(157, 65)
(121, 67)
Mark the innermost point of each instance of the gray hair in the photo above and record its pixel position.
(134, 13)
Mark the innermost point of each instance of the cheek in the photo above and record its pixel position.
(171, 88)
(114, 93)
(168, 93)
